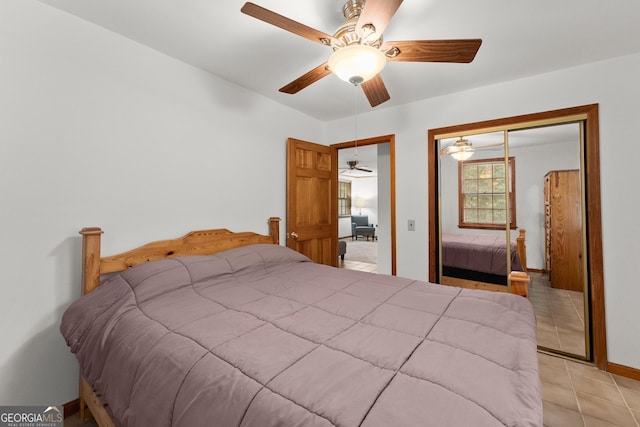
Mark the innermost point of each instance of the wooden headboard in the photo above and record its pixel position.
(203, 242)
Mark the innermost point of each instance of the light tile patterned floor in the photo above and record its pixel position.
(560, 315)
(576, 394)
(356, 265)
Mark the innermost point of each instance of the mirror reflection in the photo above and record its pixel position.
(474, 208)
(507, 182)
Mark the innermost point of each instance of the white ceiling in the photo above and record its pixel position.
(520, 38)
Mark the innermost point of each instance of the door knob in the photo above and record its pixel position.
(294, 235)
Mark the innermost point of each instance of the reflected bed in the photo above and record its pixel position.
(480, 260)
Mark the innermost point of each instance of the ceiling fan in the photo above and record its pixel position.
(358, 43)
(462, 149)
(353, 165)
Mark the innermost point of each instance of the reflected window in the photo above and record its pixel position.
(484, 186)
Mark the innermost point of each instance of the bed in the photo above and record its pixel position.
(232, 329)
(480, 260)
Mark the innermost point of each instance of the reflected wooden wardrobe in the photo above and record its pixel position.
(563, 230)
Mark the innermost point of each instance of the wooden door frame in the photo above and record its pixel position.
(593, 209)
(391, 139)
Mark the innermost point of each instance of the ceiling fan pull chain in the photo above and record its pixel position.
(355, 117)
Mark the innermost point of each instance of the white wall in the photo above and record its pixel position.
(96, 130)
(613, 85)
(344, 227)
(366, 189)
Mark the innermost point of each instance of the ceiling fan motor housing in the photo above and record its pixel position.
(346, 35)
(353, 165)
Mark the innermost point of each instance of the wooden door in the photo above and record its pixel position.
(312, 211)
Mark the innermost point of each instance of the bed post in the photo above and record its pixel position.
(522, 248)
(90, 258)
(90, 281)
(274, 229)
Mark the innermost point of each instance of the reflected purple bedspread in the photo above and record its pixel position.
(486, 253)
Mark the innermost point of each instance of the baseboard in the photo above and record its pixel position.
(624, 371)
(71, 408)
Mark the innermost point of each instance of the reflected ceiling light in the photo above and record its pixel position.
(357, 63)
(460, 151)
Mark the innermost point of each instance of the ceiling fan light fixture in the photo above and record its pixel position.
(462, 155)
(357, 63)
(460, 151)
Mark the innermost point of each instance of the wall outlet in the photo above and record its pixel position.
(411, 225)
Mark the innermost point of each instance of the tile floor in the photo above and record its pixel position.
(560, 315)
(356, 265)
(576, 394)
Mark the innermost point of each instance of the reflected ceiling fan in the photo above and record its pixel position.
(359, 52)
(462, 149)
(353, 165)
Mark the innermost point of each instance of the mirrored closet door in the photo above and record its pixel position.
(519, 191)
(551, 210)
(476, 182)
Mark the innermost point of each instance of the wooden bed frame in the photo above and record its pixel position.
(203, 242)
(519, 279)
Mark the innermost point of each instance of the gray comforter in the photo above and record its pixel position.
(261, 336)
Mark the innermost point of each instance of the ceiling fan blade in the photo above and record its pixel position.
(461, 51)
(363, 169)
(306, 79)
(497, 144)
(285, 23)
(376, 91)
(378, 13)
